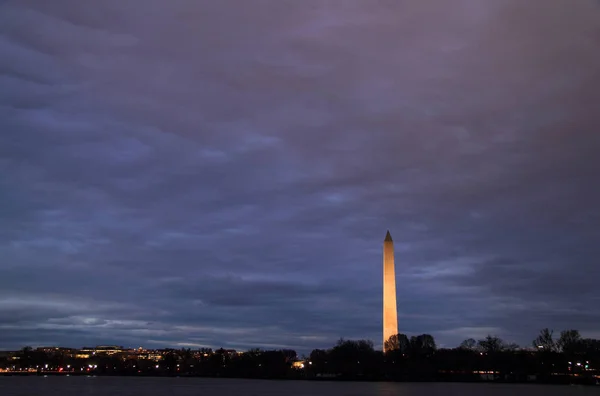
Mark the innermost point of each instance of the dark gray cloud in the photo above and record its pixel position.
(223, 173)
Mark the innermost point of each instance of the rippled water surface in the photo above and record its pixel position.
(122, 386)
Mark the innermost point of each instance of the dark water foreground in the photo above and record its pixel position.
(120, 386)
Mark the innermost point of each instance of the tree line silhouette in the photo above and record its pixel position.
(569, 358)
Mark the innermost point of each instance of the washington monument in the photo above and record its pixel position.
(390, 314)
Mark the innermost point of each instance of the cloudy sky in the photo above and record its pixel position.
(222, 173)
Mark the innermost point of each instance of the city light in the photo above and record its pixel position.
(194, 363)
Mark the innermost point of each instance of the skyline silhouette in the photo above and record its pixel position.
(563, 359)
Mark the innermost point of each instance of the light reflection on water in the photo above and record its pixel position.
(125, 386)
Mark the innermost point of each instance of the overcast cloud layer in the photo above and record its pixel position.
(222, 173)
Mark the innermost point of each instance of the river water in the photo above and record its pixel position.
(124, 386)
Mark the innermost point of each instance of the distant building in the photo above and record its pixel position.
(47, 349)
(299, 364)
(103, 350)
(155, 356)
(229, 352)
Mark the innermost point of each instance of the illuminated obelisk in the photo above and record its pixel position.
(390, 313)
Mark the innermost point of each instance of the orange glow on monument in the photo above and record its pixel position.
(390, 313)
